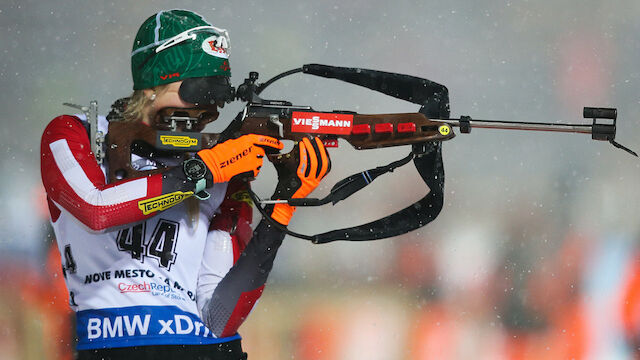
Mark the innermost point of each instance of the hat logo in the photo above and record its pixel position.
(169, 76)
(216, 46)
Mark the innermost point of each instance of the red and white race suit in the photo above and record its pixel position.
(143, 261)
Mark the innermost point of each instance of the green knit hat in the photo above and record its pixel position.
(175, 45)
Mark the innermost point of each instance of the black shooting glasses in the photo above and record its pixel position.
(208, 90)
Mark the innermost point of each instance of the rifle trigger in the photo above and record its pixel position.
(276, 120)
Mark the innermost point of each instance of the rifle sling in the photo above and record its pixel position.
(429, 166)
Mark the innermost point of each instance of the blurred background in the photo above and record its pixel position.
(535, 254)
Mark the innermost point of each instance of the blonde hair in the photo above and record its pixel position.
(139, 103)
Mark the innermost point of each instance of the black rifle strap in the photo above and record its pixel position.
(352, 184)
(427, 157)
(428, 161)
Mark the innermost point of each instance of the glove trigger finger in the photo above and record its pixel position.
(268, 143)
(321, 156)
(312, 158)
(304, 162)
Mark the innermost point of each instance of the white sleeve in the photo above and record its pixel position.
(216, 262)
(227, 292)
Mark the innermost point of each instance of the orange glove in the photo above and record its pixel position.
(299, 176)
(238, 157)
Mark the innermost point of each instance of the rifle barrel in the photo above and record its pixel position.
(520, 125)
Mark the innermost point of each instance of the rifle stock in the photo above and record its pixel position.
(283, 122)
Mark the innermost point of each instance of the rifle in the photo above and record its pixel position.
(423, 131)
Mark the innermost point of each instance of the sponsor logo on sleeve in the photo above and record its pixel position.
(321, 123)
(163, 202)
